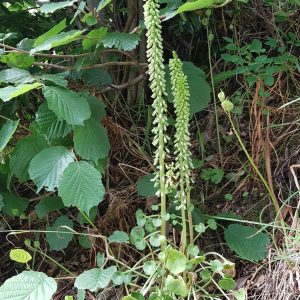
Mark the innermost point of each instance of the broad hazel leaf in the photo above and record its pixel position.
(47, 167)
(57, 79)
(91, 141)
(28, 285)
(50, 33)
(200, 91)
(49, 124)
(60, 39)
(60, 240)
(23, 153)
(9, 92)
(67, 105)
(48, 205)
(13, 205)
(16, 75)
(6, 132)
(95, 279)
(94, 38)
(81, 186)
(246, 242)
(121, 40)
(50, 8)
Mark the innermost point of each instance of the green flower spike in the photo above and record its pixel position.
(183, 163)
(158, 88)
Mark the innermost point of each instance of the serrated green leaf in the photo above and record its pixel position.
(16, 75)
(10, 92)
(67, 105)
(95, 279)
(50, 8)
(91, 140)
(18, 60)
(94, 38)
(48, 205)
(58, 78)
(20, 256)
(121, 40)
(49, 124)
(50, 33)
(176, 261)
(47, 167)
(96, 77)
(81, 186)
(200, 91)
(145, 186)
(176, 286)
(28, 285)
(246, 243)
(57, 240)
(118, 236)
(97, 107)
(23, 153)
(13, 205)
(60, 39)
(6, 132)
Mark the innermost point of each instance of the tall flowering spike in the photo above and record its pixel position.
(183, 163)
(158, 87)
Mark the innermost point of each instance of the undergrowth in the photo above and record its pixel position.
(185, 188)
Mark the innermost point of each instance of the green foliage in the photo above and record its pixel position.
(20, 256)
(215, 175)
(9, 92)
(62, 235)
(145, 186)
(196, 82)
(52, 7)
(95, 279)
(13, 205)
(91, 141)
(176, 261)
(247, 242)
(81, 186)
(94, 38)
(119, 237)
(28, 285)
(121, 40)
(47, 167)
(15, 75)
(195, 5)
(48, 205)
(67, 105)
(49, 124)
(6, 132)
(176, 286)
(24, 152)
